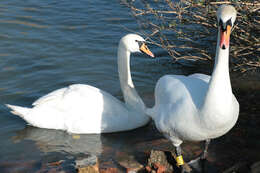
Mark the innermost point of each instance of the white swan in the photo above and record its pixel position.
(84, 109)
(198, 107)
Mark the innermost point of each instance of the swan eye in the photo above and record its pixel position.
(140, 43)
(220, 23)
(224, 25)
(229, 22)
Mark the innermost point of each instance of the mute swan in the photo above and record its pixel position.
(84, 109)
(198, 107)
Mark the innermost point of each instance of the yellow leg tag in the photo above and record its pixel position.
(179, 160)
(76, 136)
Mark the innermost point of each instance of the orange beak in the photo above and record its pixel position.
(145, 50)
(225, 37)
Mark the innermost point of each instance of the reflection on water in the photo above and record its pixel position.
(34, 148)
(48, 141)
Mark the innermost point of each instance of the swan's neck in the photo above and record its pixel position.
(131, 97)
(219, 94)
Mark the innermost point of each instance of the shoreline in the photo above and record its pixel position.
(237, 150)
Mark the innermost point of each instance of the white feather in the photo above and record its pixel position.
(197, 107)
(85, 109)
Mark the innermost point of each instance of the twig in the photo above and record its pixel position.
(172, 27)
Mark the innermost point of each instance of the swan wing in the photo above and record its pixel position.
(51, 96)
(77, 98)
(81, 109)
(76, 92)
(200, 76)
(178, 99)
(86, 109)
(173, 88)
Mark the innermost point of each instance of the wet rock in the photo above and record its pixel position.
(23, 166)
(129, 162)
(60, 166)
(238, 167)
(88, 169)
(255, 168)
(110, 170)
(158, 163)
(87, 165)
(110, 166)
(89, 161)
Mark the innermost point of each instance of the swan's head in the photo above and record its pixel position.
(135, 43)
(226, 15)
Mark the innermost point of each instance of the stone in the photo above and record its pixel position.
(158, 162)
(129, 162)
(255, 168)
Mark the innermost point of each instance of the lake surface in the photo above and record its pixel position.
(47, 45)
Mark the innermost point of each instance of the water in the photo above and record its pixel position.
(47, 45)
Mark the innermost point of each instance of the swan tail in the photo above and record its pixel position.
(18, 110)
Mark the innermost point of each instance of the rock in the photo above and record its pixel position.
(89, 161)
(164, 161)
(87, 165)
(110, 166)
(22, 166)
(88, 169)
(129, 162)
(238, 167)
(255, 168)
(158, 162)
